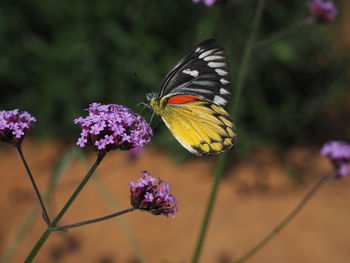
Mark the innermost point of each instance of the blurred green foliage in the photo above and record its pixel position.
(59, 56)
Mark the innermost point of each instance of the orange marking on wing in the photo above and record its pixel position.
(180, 99)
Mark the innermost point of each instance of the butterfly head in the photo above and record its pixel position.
(157, 104)
(151, 95)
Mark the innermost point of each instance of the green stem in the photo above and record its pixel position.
(78, 189)
(243, 69)
(82, 223)
(101, 187)
(36, 189)
(284, 32)
(28, 221)
(53, 224)
(113, 204)
(219, 170)
(220, 165)
(22, 232)
(285, 221)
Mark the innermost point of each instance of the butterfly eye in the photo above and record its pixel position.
(150, 96)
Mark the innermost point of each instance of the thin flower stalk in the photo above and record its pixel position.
(114, 206)
(287, 219)
(36, 189)
(221, 162)
(146, 195)
(338, 153)
(107, 127)
(14, 125)
(280, 34)
(95, 220)
(54, 222)
(319, 12)
(28, 221)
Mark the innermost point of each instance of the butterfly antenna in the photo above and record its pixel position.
(142, 85)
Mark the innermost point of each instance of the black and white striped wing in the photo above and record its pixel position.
(203, 72)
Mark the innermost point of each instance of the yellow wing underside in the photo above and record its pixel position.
(201, 127)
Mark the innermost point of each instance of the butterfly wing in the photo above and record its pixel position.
(202, 127)
(192, 98)
(203, 71)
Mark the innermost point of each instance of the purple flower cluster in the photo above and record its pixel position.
(322, 11)
(339, 153)
(112, 126)
(152, 196)
(206, 2)
(14, 125)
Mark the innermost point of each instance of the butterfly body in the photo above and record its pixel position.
(192, 98)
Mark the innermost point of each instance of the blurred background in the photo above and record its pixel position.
(59, 56)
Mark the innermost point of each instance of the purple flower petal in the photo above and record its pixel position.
(112, 126)
(322, 11)
(339, 154)
(152, 196)
(14, 124)
(336, 150)
(206, 2)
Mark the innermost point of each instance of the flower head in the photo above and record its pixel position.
(206, 2)
(149, 195)
(322, 11)
(112, 126)
(339, 153)
(14, 125)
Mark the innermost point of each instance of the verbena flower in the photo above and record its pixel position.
(152, 196)
(339, 153)
(14, 125)
(206, 2)
(112, 126)
(322, 11)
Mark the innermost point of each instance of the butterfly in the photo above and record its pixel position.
(193, 94)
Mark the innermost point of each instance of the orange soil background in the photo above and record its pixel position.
(255, 195)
